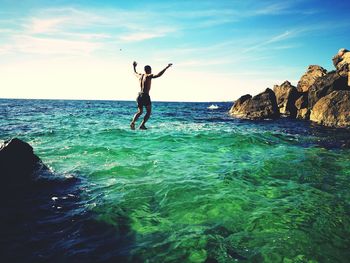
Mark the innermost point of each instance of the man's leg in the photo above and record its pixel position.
(145, 119)
(136, 116)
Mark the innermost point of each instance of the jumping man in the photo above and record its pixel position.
(144, 99)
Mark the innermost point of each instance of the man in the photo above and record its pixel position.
(144, 99)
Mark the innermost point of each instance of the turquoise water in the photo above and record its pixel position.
(197, 186)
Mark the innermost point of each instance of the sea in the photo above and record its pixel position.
(197, 186)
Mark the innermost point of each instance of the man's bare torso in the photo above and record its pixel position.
(145, 83)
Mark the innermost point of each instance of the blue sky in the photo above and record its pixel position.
(220, 49)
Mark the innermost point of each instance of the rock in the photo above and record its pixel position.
(18, 163)
(242, 99)
(341, 61)
(308, 79)
(303, 114)
(325, 85)
(332, 110)
(301, 104)
(301, 101)
(286, 95)
(261, 106)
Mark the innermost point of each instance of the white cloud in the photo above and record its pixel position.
(51, 46)
(140, 36)
(46, 25)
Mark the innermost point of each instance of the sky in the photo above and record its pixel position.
(220, 50)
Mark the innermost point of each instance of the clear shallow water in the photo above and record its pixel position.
(198, 186)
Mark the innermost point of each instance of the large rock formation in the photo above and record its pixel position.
(325, 85)
(332, 110)
(18, 163)
(315, 85)
(311, 75)
(286, 95)
(261, 106)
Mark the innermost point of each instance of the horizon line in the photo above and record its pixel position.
(124, 100)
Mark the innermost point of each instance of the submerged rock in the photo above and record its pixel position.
(261, 106)
(286, 95)
(18, 163)
(325, 85)
(311, 75)
(332, 110)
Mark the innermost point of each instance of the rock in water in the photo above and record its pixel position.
(286, 95)
(261, 106)
(311, 75)
(332, 110)
(325, 85)
(18, 162)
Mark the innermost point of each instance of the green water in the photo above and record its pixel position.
(199, 186)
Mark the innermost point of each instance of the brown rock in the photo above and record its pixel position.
(341, 61)
(301, 101)
(286, 94)
(303, 114)
(261, 106)
(308, 79)
(325, 85)
(332, 110)
(301, 105)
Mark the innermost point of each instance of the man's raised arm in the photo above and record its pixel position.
(134, 65)
(162, 72)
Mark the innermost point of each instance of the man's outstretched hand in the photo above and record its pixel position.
(134, 64)
(169, 65)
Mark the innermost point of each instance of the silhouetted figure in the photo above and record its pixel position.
(143, 98)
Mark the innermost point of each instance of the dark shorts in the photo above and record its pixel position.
(143, 100)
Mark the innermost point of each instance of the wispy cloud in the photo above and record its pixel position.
(281, 8)
(49, 46)
(140, 36)
(46, 25)
(283, 36)
(273, 9)
(296, 32)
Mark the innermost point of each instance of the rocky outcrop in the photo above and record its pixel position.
(18, 163)
(318, 93)
(332, 110)
(311, 75)
(286, 95)
(261, 106)
(342, 59)
(325, 85)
